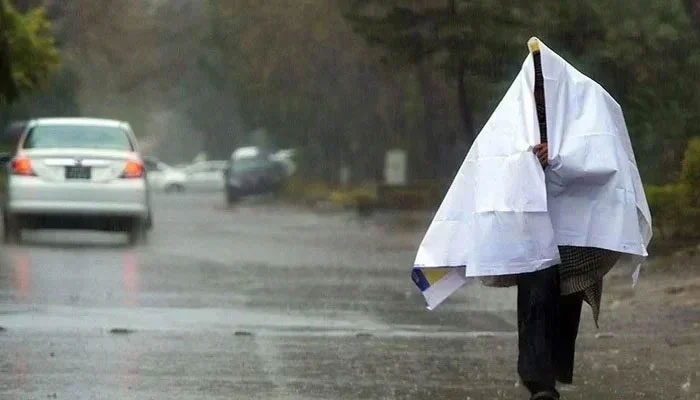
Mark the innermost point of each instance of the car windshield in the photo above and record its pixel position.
(77, 136)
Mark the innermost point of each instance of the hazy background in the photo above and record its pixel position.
(343, 81)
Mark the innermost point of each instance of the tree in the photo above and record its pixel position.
(8, 87)
(58, 97)
(303, 75)
(449, 33)
(646, 55)
(694, 11)
(447, 42)
(27, 52)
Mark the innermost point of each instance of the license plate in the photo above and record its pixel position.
(78, 173)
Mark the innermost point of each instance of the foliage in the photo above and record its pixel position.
(57, 98)
(690, 173)
(420, 195)
(668, 207)
(676, 207)
(299, 190)
(645, 54)
(301, 74)
(346, 80)
(27, 51)
(355, 197)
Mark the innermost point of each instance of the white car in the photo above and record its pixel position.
(76, 173)
(164, 177)
(205, 176)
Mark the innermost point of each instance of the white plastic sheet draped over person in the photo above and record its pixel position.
(505, 215)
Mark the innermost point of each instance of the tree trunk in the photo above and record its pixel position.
(465, 110)
(8, 88)
(694, 11)
(432, 145)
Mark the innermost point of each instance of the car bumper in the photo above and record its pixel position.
(122, 198)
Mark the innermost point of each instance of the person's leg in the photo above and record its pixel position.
(538, 323)
(565, 342)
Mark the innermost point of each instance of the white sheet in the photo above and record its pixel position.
(504, 215)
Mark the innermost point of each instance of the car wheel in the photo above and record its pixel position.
(174, 188)
(231, 198)
(12, 230)
(138, 232)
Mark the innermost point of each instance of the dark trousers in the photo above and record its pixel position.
(547, 329)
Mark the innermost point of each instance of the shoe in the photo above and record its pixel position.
(546, 395)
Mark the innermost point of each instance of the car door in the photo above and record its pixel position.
(195, 176)
(214, 176)
(206, 176)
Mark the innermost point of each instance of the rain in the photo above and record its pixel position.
(248, 199)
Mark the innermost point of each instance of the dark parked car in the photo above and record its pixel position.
(251, 171)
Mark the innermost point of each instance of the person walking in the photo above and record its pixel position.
(547, 200)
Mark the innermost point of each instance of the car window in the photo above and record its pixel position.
(243, 165)
(77, 136)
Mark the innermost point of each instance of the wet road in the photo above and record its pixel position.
(266, 302)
